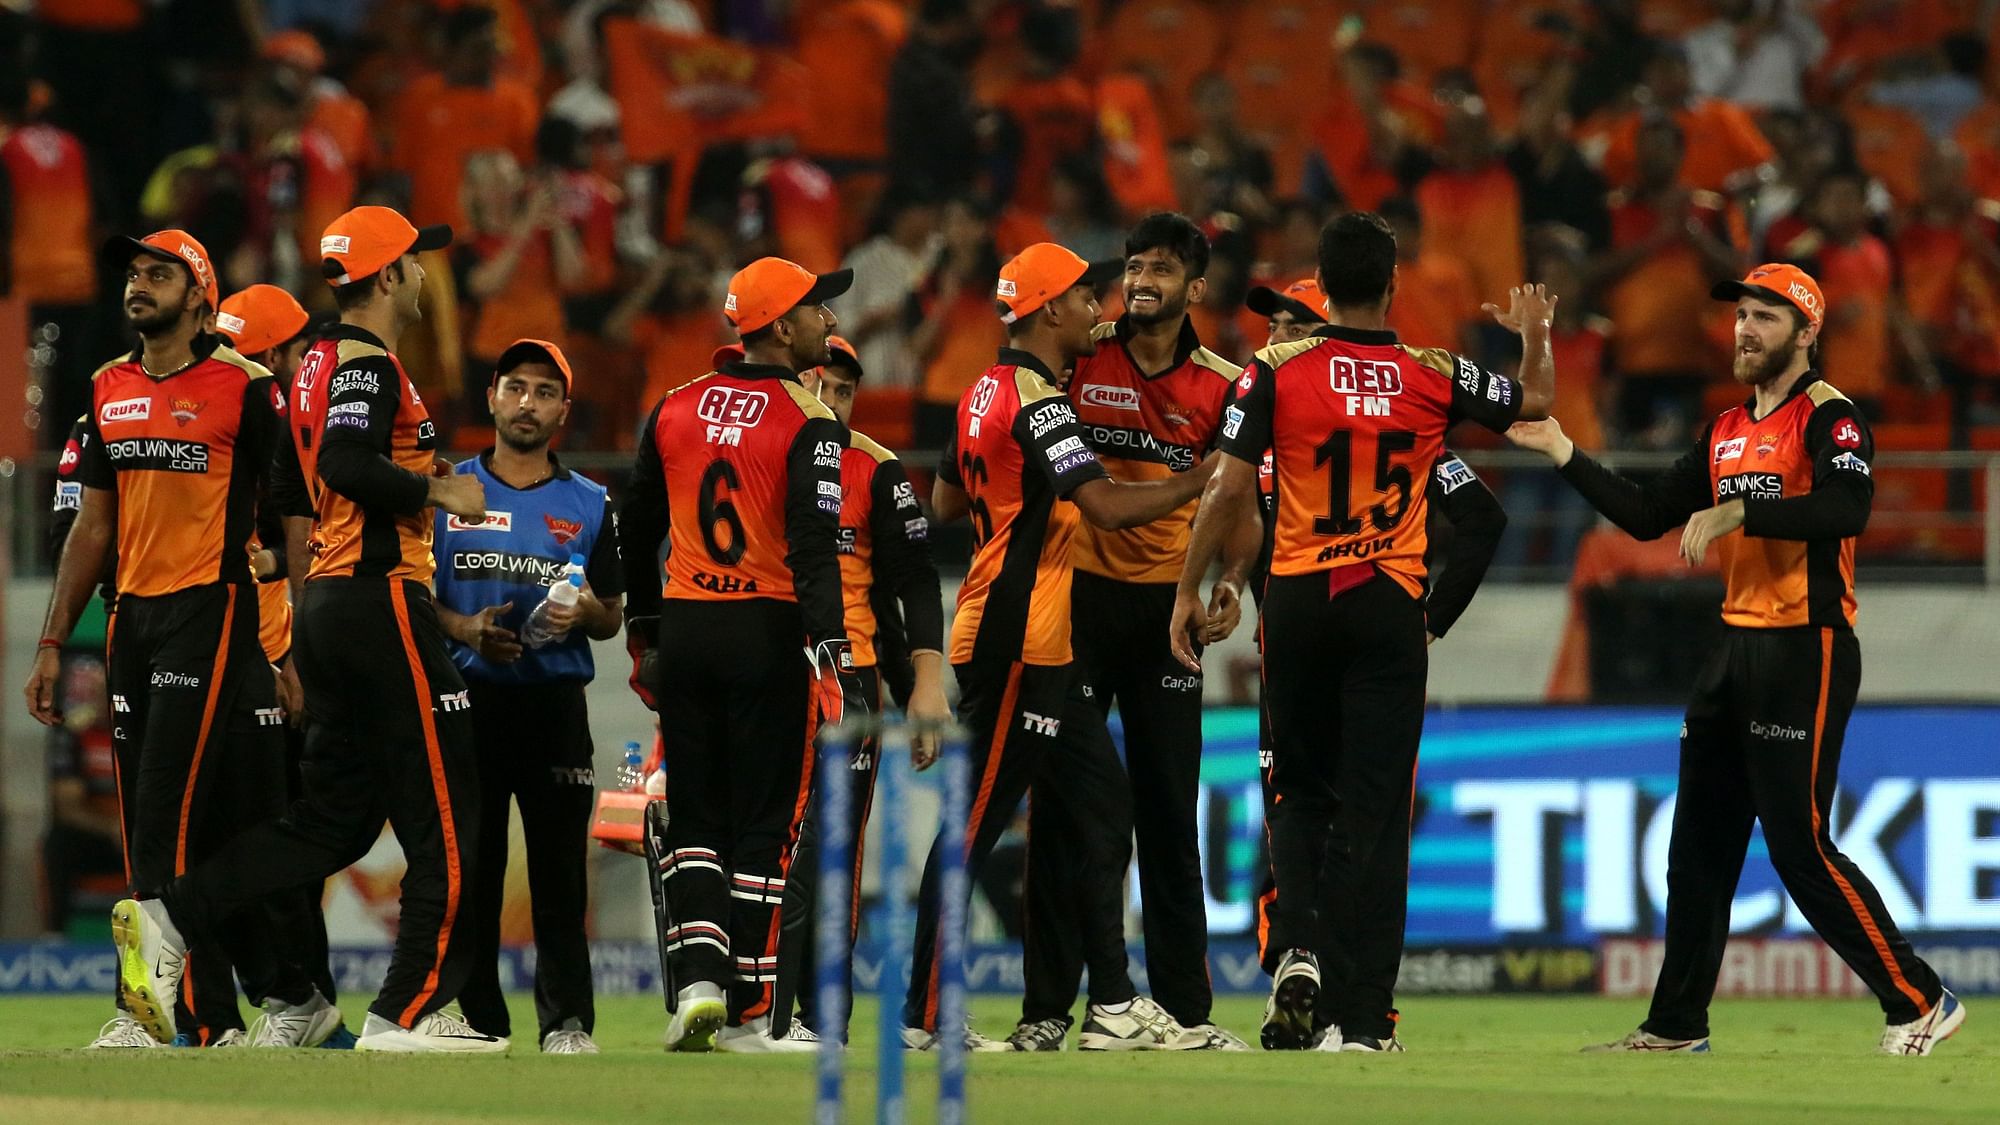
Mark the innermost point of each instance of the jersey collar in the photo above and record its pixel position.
(559, 473)
(1810, 377)
(1015, 357)
(1355, 335)
(201, 347)
(744, 369)
(1184, 345)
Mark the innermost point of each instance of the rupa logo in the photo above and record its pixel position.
(494, 521)
(1730, 449)
(126, 410)
(1040, 724)
(1109, 398)
(729, 411)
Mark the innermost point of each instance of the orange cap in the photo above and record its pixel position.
(727, 353)
(1778, 282)
(172, 245)
(296, 48)
(260, 318)
(534, 351)
(844, 355)
(1040, 274)
(768, 288)
(1301, 298)
(368, 238)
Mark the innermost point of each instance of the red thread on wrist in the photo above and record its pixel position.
(48, 642)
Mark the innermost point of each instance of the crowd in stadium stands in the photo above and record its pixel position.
(610, 162)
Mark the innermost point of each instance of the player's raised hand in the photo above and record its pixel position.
(1545, 437)
(461, 494)
(1190, 620)
(1526, 305)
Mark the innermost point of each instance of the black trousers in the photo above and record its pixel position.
(190, 689)
(1344, 687)
(1119, 630)
(534, 749)
(737, 725)
(389, 738)
(1762, 744)
(798, 953)
(1035, 725)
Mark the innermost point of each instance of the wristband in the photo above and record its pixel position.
(47, 642)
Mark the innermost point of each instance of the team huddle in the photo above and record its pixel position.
(772, 572)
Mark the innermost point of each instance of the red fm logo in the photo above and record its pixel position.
(1366, 384)
(729, 411)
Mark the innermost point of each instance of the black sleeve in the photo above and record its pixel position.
(1246, 421)
(1841, 447)
(288, 481)
(1051, 438)
(812, 526)
(1649, 510)
(362, 399)
(261, 432)
(642, 524)
(947, 470)
(903, 563)
(1477, 521)
(69, 490)
(94, 467)
(1486, 397)
(604, 569)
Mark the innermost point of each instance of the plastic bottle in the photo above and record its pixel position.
(629, 774)
(538, 632)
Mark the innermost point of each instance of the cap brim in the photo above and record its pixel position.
(532, 351)
(1099, 274)
(827, 287)
(844, 359)
(1266, 301)
(1735, 290)
(431, 238)
(117, 251)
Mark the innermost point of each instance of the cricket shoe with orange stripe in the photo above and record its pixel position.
(151, 959)
(1926, 1031)
(442, 1032)
(1646, 1041)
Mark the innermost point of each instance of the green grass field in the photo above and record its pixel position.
(1470, 1061)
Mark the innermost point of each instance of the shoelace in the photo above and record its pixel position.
(1042, 1031)
(444, 1021)
(802, 1033)
(123, 1031)
(568, 1041)
(1153, 1019)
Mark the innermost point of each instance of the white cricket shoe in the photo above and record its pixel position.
(1041, 1035)
(1142, 1026)
(234, 1037)
(123, 1032)
(1925, 1032)
(754, 1038)
(443, 1031)
(1647, 1041)
(699, 1012)
(569, 1039)
(917, 1039)
(151, 958)
(1219, 1038)
(803, 1034)
(306, 1024)
(1329, 1040)
(1288, 1014)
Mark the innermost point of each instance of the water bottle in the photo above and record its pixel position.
(538, 632)
(629, 773)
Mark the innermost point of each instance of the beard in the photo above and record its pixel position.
(512, 437)
(1167, 310)
(1756, 369)
(152, 321)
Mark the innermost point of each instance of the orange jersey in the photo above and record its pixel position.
(1355, 423)
(52, 257)
(187, 455)
(274, 615)
(884, 551)
(1018, 452)
(364, 447)
(739, 472)
(1147, 427)
(1802, 473)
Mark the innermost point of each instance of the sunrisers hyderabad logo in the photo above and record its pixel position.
(563, 530)
(186, 410)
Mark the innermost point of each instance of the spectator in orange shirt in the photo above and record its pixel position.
(1049, 109)
(1471, 204)
(670, 318)
(1726, 153)
(47, 259)
(1863, 312)
(956, 331)
(1948, 257)
(1367, 131)
(442, 118)
(1437, 303)
(516, 259)
(297, 57)
(1669, 245)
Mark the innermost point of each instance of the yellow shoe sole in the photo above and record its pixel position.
(135, 978)
(704, 1019)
